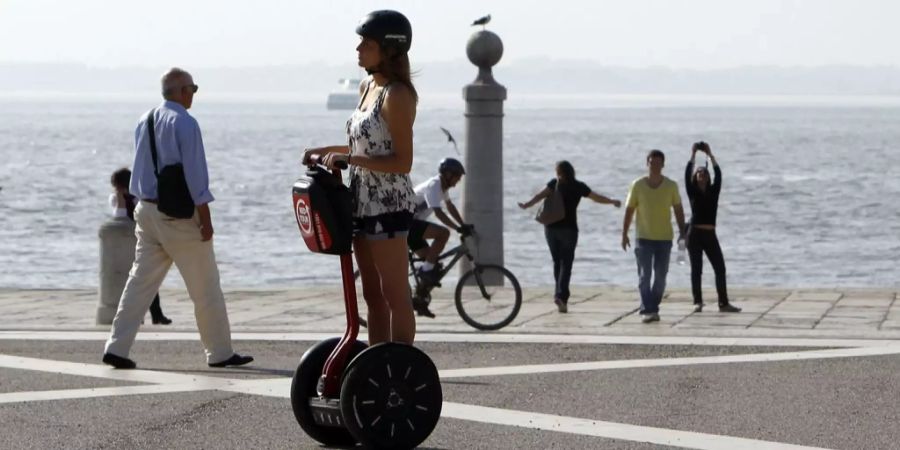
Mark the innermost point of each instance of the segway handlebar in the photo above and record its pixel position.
(317, 160)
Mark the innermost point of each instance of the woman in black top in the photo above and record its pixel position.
(704, 197)
(562, 236)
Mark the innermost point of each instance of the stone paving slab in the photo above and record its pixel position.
(865, 302)
(779, 312)
(814, 296)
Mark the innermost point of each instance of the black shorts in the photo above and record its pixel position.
(383, 226)
(416, 238)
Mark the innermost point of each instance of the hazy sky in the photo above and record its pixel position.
(676, 33)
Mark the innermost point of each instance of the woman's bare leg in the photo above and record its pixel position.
(379, 313)
(391, 259)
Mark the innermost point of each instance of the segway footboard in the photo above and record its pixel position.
(326, 412)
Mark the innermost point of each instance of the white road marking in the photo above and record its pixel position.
(664, 362)
(500, 338)
(611, 430)
(268, 387)
(69, 394)
(280, 387)
(103, 371)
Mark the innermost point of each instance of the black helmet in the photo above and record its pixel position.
(451, 165)
(389, 28)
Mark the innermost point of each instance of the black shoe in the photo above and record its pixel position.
(698, 307)
(729, 308)
(431, 278)
(421, 308)
(235, 360)
(163, 320)
(423, 289)
(118, 362)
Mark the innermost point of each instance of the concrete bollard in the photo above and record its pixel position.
(117, 243)
(482, 190)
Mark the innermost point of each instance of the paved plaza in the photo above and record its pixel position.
(600, 310)
(796, 369)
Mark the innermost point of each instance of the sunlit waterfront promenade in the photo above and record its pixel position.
(593, 310)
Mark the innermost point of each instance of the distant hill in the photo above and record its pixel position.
(579, 76)
(531, 76)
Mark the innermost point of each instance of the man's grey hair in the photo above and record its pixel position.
(173, 79)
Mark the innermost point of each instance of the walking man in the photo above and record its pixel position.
(653, 198)
(162, 240)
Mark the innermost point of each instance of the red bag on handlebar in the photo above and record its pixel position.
(323, 208)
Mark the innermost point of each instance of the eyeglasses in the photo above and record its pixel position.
(193, 87)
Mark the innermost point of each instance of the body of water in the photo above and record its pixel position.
(810, 197)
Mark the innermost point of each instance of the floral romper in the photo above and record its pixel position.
(382, 202)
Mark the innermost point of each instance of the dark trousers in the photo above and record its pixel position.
(156, 310)
(706, 241)
(562, 243)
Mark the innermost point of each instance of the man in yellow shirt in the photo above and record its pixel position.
(653, 198)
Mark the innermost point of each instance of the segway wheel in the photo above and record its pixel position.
(303, 387)
(391, 397)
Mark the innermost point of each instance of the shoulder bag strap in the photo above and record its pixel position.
(152, 134)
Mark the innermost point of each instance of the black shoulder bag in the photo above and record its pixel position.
(173, 195)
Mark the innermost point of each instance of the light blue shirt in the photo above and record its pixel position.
(178, 140)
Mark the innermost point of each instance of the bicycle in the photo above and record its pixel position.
(487, 297)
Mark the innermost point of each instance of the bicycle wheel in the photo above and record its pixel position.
(488, 297)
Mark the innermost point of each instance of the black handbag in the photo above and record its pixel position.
(171, 188)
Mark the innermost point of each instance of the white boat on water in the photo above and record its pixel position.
(347, 97)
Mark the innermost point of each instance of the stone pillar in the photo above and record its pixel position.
(117, 243)
(482, 190)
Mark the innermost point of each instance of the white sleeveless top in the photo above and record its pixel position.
(375, 193)
(114, 206)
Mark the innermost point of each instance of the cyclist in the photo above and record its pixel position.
(430, 195)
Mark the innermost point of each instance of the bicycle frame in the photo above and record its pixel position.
(456, 253)
(482, 277)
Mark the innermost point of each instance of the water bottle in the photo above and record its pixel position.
(681, 251)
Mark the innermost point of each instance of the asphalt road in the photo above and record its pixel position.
(847, 402)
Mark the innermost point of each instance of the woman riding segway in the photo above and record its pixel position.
(390, 394)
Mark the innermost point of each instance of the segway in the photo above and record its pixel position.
(387, 396)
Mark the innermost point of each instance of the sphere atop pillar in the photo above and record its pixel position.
(484, 49)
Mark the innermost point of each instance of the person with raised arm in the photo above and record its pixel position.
(703, 195)
(562, 235)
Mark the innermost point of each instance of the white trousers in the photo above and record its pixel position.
(162, 240)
